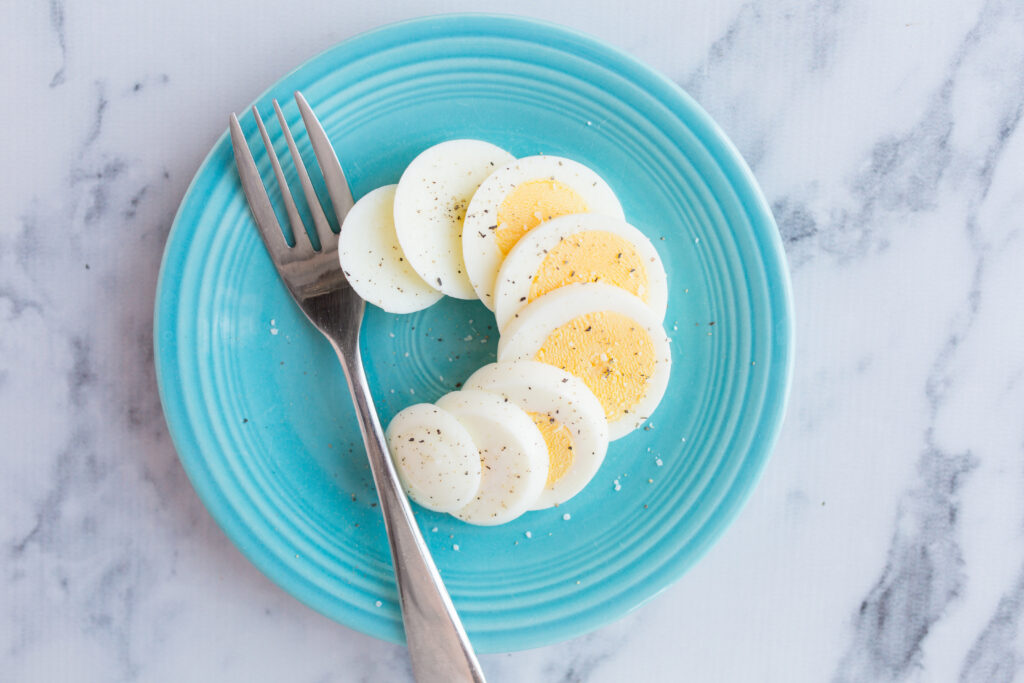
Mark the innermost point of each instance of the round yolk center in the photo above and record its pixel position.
(591, 256)
(610, 352)
(531, 203)
(559, 441)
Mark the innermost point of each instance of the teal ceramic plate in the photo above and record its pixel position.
(259, 410)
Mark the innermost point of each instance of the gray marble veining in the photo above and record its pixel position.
(886, 539)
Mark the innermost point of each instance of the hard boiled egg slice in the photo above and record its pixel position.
(517, 198)
(430, 204)
(582, 247)
(605, 336)
(512, 452)
(435, 456)
(373, 261)
(568, 415)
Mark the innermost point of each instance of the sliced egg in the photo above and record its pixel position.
(568, 415)
(517, 198)
(435, 456)
(374, 262)
(511, 450)
(605, 336)
(430, 205)
(579, 248)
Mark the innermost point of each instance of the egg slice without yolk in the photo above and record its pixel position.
(430, 205)
(517, 198)
(436, 459)
(373, 261)
(512, 454)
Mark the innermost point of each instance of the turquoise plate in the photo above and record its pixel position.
(259, 410)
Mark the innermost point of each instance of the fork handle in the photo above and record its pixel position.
(438, 646)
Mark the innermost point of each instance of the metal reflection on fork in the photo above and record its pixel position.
(438, 646)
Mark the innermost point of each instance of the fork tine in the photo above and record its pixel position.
(294, 220)
(256, 194)
(334, 177)
(328, 240)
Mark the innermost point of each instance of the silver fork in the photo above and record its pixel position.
(438, 646)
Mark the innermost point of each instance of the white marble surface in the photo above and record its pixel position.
(886, 539)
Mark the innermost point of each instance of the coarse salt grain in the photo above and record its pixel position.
(566, 516)
(455, 547)
(658, 462)
(529, 534)
(378, 603)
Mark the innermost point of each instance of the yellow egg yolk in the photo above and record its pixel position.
(610, 352)
(531, 203)
(592, 256)
(559, 441)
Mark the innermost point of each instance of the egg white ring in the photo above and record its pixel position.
(436, 459)
(534, 324)
(479, 242)
(522, 264)
(512, 452)
(541, 388)
(438, 178)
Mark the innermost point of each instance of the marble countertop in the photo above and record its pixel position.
(885, 541)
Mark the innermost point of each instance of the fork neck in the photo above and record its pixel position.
(339, 316)
(345, 340)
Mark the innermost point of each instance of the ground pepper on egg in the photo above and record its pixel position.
(611, 353)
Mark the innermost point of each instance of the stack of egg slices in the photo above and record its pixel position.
(579, 296)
